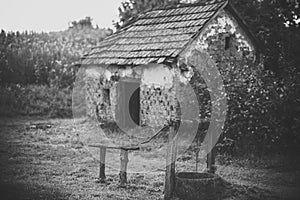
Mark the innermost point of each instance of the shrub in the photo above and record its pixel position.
(35, 100)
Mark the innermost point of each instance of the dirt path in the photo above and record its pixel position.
(54, 163)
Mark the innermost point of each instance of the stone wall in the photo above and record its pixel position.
(100, 94)
(158, 98)
(224, 25)
(157, 95)
(226, 42)
(229, 47)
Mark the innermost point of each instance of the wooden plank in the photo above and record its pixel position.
(197, 160)
(122, 104)
(123, 167)
(208, 162)
(211, 168)
(102, 176)
(170, 168)
(210, 157)
(134, 148)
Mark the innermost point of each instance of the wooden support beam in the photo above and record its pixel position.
(210, 160)
(127, 148)
(170, 166)
(211, 167)
(123, 168)
(197, 160)
(102, 176)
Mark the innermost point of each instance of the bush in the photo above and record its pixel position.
(44, 58)
(38, 70)
(35, 100)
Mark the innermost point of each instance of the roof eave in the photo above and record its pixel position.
(230, 8)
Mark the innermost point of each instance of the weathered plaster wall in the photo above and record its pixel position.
(101, 79)
(235, 62)
(158, 100)
(99, 104)
(213, 38)
(157, 95)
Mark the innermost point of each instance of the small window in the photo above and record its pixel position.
(106, 96)
(228, 42)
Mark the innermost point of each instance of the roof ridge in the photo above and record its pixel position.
(133, 19)
(184, 5)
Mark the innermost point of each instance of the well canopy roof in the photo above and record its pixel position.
(155, 36)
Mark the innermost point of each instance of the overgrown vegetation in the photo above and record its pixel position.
(276, 99)
(272, 108)
(38, 69)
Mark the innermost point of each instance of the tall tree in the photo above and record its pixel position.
(131, 8)
(276, 24)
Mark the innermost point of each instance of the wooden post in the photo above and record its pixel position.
(197, 160)
(170, 168)
(123, 168)
(102, 176)
(211, 168)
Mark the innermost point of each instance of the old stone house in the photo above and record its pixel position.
(132, 72)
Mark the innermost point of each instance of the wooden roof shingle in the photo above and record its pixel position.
(155, 36)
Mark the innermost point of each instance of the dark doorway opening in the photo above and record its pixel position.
(134, 106)
(129, 104)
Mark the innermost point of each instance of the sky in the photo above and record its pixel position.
(54, 15)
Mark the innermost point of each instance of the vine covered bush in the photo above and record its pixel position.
(255, 95)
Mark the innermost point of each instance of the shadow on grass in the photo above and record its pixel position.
(18, 191)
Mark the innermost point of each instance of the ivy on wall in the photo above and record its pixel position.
(250, 89)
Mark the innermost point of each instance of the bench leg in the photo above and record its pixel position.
(123, 169)
(102, 176)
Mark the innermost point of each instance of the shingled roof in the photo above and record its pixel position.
(155, 36)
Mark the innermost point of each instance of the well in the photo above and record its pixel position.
(193, 186)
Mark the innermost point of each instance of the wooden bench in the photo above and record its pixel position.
(123, 158)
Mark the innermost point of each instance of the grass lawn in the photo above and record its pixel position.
(56, 163)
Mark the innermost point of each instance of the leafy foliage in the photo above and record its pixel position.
(35, 100)
(87, 22)
(46, 58)
(276, 24)
(130, 9)
(49, 60)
